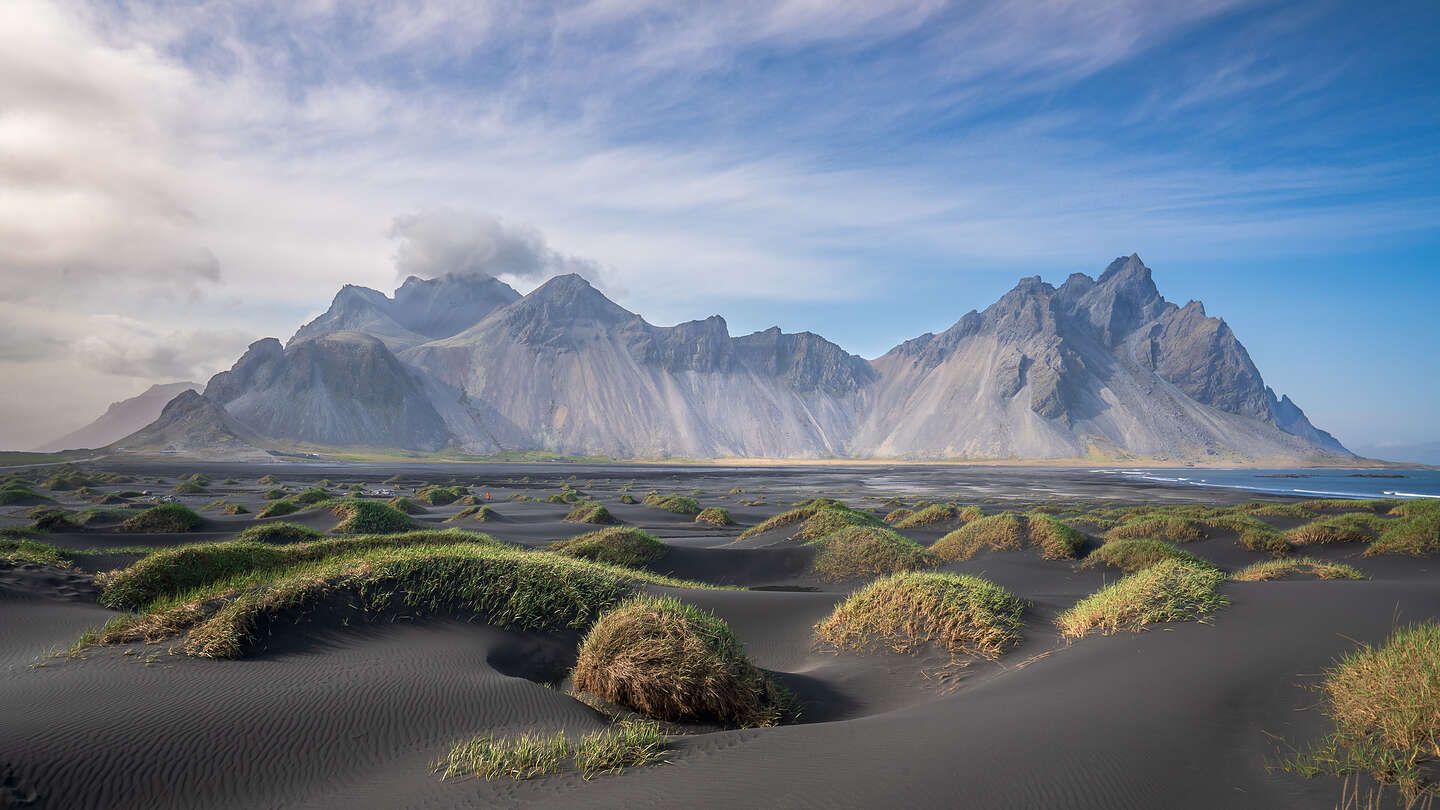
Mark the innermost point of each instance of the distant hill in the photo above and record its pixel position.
(1101, 368)
(195, 426)
(1419, 453)
(120, 419)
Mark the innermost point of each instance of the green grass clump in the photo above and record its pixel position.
(672, 661)
(368, 517)
(859, 551)
(188, 488)
(279, 532)
(108, 499)
(568, 496)
(1264, 538)
(1054, 539)
(440, 496)
(225, 507)
(1173, 529)
(1385, 703)
(1009, 531)
(1295, 567)
(1137, 554)
(627, 498)
(1415, 531)
(817, 517)
(17, 551)
(267, 480)
(620, 545)
(679, 504)
(405, 505)
(502, 585)
(279, 509)
(935, 515)
(311, 496)
(529, 755)
(54, 520)
(962, 614)
(274, 494)
(174, 571)
(16, 495)
(715, 516)
(1169, 591)
(589, 512)
(482, 514)
(897, 515)
(631, 743)
(65, 481)
(164, 518)
(1347, 528)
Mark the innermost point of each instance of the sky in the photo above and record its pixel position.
(178, 179)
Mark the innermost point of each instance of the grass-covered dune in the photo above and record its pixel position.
(477, 577)
(815, 518)
(1293, 568)
(1009, 531)
(962, 614)
(938, 514)
(1137, 554)
(619, 545)
(859, 551)
(174, 571)
(165, 518)
(672, 661)
(715, 516)
(589, 512)
(679, 504)
(1167, 591)
(1385, 704)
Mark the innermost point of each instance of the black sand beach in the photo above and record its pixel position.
(1183, 715)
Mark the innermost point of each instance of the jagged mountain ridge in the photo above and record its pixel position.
(1099, 367)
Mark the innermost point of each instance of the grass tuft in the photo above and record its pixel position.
(671, 661)
(1169, 591)
(715, 516)
(1137, 554)
(620, 545)
(860, 551)
(1009, 531)
(962, 614)
(1295, 567)
(1385, 703)
(368, 517)
(164, 518)
(679, 504)
(589, 512)
(625, 745)
(278, 509)
(1171, 528)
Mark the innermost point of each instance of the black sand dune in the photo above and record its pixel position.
(333, 716)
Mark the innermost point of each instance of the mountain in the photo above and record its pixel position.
(565, 367)
(120, 419)
(1103, 368)
(1096, 367)
(422, 310)
(193, 425)
(341, 388)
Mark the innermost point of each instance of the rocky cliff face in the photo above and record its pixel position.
(193, 425)
(567, 367)
(1095, 367)
(1101, 367)
(421, 310)
(121, 418)
(343, 388)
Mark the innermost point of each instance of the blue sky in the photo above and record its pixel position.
(188, 177)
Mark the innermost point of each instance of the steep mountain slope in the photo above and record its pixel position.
(343, 388)
(422, 309)
(120, 419)
(575, 372)
(1101, 367)
(194, 425)
(1098, 367)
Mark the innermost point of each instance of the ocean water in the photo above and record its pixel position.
(1311, 483)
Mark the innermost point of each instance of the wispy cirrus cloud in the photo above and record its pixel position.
(216, 169)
